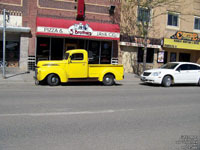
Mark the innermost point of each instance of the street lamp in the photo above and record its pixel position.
(6, 18)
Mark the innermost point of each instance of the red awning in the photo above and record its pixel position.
(80, 29)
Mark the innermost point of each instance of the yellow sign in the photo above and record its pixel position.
(182, 44)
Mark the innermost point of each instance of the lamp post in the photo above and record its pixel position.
(4, 40)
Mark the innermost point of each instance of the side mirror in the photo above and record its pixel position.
(69, 59)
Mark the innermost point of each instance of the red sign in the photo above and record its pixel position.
(81, 29)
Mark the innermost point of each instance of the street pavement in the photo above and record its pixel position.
(127, 116)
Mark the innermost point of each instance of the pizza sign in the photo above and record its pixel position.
(80, 29)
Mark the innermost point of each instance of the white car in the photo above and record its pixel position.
(173, 73)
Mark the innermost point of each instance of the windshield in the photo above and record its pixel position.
(169, 66)
(66, 56)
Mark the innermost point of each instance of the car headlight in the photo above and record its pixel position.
(156, 73)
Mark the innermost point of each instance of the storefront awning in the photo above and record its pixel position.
(17, 29)
(80, 29)
(182, 44)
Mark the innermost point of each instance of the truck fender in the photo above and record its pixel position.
(107, 71)
(60, 72)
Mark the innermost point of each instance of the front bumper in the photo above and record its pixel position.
(151, 79)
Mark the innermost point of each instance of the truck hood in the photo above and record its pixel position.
(50, 63)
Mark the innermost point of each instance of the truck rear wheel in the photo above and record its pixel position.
(108, 80)
(53, 80)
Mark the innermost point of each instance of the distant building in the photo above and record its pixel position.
(174, 35)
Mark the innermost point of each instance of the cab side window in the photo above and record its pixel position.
(77, 56)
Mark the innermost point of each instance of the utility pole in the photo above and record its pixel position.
(4, 41)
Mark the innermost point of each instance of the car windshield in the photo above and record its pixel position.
(169, 66)
(66, 56)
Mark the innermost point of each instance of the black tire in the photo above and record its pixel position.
(167, 81)
(53, 80)
(108, 80)
(198, 82)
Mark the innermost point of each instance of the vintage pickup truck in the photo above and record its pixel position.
(75, 67)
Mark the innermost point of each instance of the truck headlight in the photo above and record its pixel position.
(156, 73)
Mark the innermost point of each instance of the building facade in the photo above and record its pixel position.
(46, 29)
(174, 32)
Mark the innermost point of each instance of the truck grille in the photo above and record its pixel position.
(146, 73)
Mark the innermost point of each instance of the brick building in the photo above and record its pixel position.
(45, 29)
(173, 34)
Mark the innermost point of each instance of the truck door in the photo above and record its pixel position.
(78, 66)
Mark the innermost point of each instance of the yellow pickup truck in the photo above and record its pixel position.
(75, 67)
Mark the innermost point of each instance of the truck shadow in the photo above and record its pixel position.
(79, 84)
(86, 84)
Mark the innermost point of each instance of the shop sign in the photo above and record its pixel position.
(139, 45)
(80, 29)
(185, 36)
(183, 40)
(14, 21)
(182, 44)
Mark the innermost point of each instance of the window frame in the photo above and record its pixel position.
(178, 20)
(197, 17)
(150, 15)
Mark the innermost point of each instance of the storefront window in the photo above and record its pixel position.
(12, 53)
(149, 57)
(99, 52)
(43, 48)
(56, 48)
(172, 57)
(93, 52)
(106, 48)
(185, 57)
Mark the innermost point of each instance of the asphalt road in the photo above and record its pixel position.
(128, 116)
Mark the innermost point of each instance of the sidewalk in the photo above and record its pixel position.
(23, 77)
(27, 77)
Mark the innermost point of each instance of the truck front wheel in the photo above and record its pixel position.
(53, 80)
(108, 80)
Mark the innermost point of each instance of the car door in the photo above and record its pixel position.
(78, 66)
(182, 74)
(193, 73)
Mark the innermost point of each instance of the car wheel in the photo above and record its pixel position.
(53, 80)
(108, 80)
(167, 81)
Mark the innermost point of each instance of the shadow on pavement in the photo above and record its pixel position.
(176, 85)
(18, 74)
(80, 84)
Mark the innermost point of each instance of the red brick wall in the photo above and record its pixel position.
(97, 11)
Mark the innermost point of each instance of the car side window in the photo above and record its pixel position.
(77, 56)
(183, 67)
(194, 67)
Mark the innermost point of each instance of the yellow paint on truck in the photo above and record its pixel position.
(75, 67)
